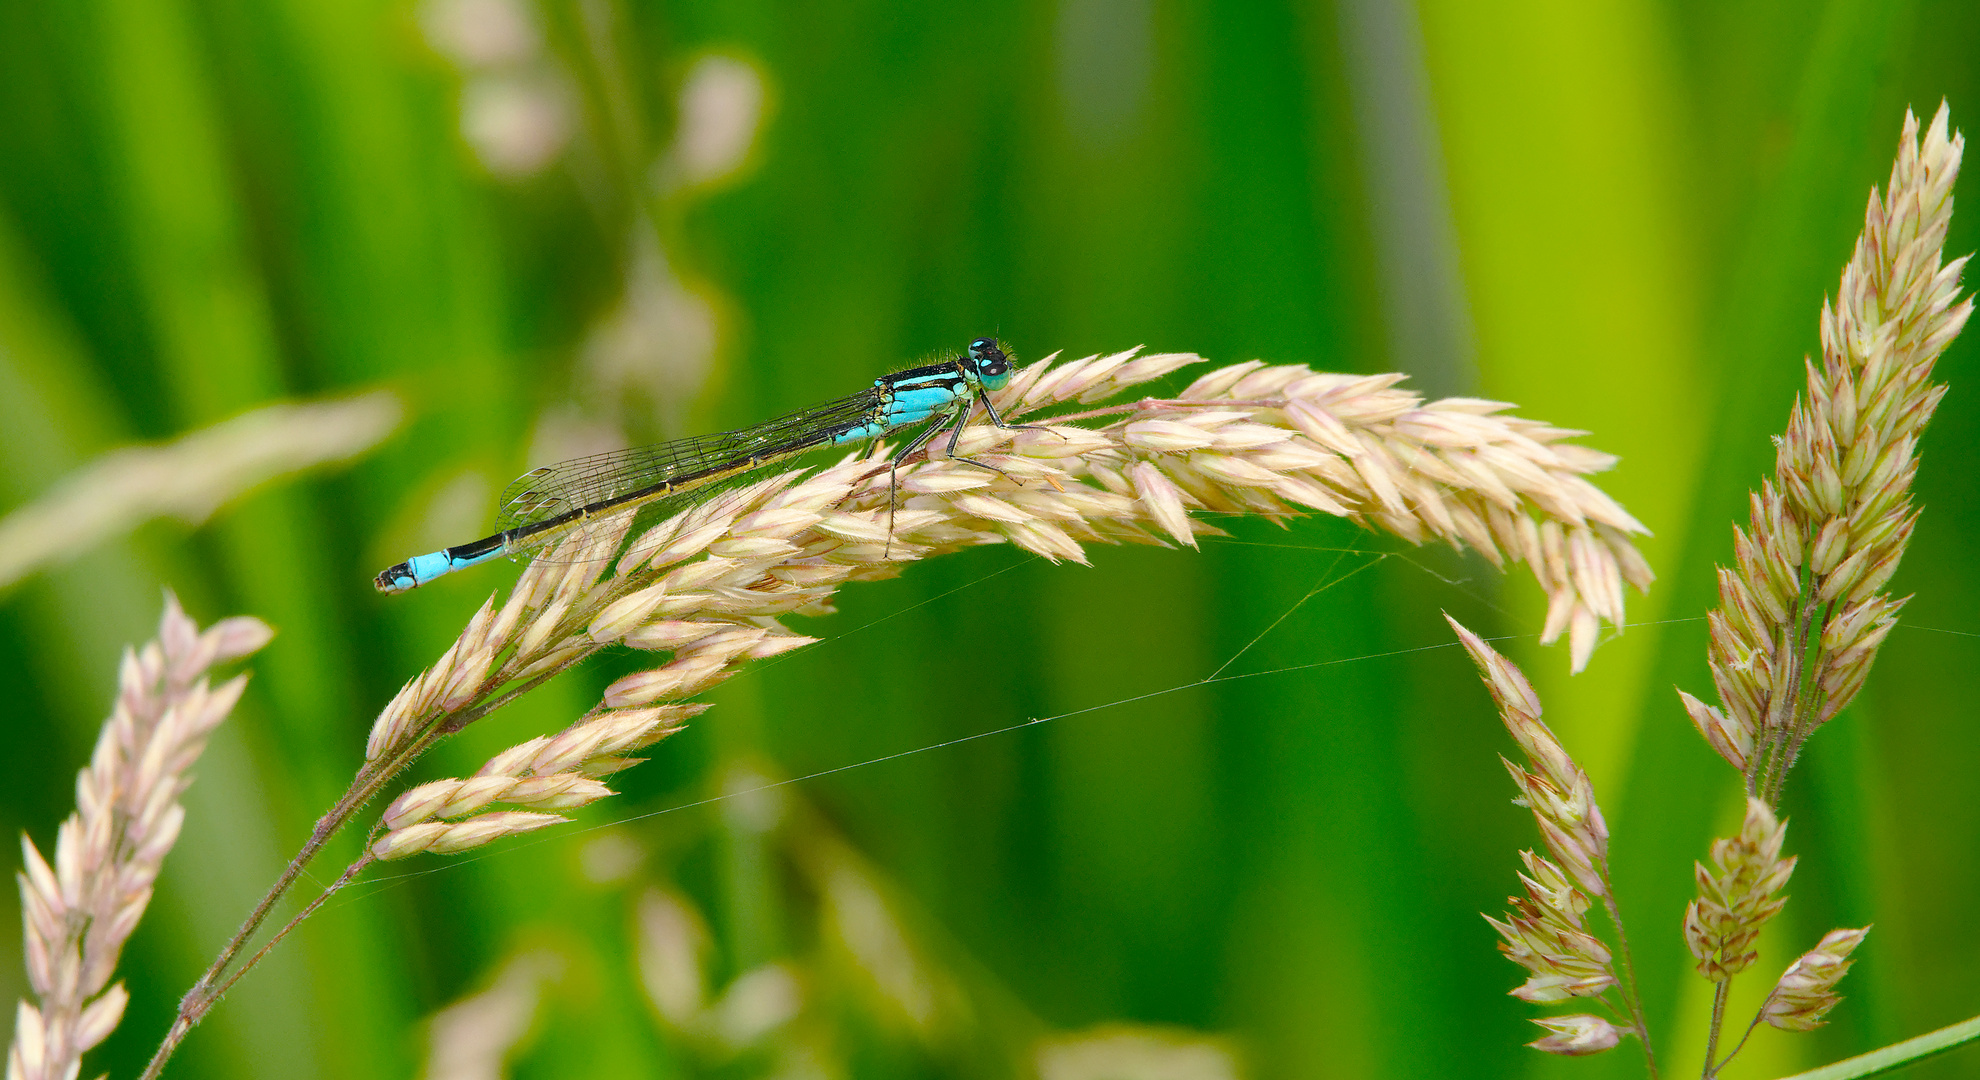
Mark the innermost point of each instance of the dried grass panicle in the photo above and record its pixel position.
(1807, 990)
(1802, 611)
(78, 913)
(709, 585)
(1738, 894)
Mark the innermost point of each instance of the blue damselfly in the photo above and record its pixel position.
(545, 505)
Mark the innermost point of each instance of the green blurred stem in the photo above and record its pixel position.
(1635, 995)
(207, 991)
(1712, 1066)
(349, 875)
(212, 985)
(1718, 1016)
(1898, 1055)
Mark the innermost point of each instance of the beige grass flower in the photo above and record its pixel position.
(1545, 934)
(1738, 894)
(1577, 1036)
(78, 913)
(1807, 989)
(1802, 610)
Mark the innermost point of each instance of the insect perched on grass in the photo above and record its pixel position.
(545, 505)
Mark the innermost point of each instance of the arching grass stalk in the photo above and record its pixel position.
(709, 587)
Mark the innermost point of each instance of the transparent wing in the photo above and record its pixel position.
(591, 494)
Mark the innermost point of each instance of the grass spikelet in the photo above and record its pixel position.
(1801, 611)
(1544, 931)
(77, 914)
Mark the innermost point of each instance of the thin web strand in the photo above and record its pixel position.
(1216, 677)
(355, 893)
(1324, 585)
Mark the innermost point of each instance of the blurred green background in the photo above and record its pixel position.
(547, 225)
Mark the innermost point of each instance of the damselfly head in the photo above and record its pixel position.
(990, 364)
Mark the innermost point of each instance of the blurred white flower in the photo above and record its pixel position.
(482, 33)
(757, 1003)
(1128, 1052)
(610, 858)
(517, 125)
(721, 110)
(673, 943)
(876, 942)
(474, 1038)
(651, 352)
